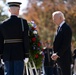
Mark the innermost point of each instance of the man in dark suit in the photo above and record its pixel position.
(14, 41)
(62, 43)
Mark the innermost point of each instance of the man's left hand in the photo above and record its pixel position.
(54, 56)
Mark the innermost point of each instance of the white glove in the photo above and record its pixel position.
(26, 60)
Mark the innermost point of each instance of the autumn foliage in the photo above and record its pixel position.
(40, 11)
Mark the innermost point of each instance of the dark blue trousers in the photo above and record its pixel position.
(48, 70)
(13, 67)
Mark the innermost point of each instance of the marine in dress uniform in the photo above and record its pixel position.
(48, 62)
(14, 43)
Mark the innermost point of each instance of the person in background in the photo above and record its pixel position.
(74, 59)
(1, 68)
(48, 62)
(14, 42)
(62, 43)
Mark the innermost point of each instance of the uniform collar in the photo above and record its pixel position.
(13, 16)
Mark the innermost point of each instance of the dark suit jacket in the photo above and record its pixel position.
(62, 46)
(12, 29)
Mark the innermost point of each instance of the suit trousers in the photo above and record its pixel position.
(13, 67)
(66, 69)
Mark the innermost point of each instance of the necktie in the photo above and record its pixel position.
(58, 29)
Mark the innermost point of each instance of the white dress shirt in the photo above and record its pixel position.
(60, 26)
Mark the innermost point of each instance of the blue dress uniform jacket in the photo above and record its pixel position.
(48, 62)
(11, 29)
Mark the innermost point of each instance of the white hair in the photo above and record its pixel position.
(58, 13)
